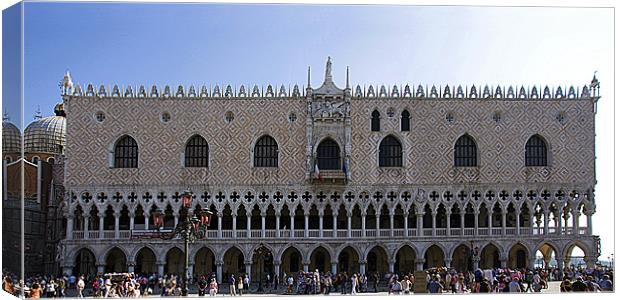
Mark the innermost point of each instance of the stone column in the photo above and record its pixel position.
(448, 262)
(558, 224)
(218, 273)
(176, 219)
(546, 220)
(248, 268)
(278, 224)
(321, 224)
(589, 220)
(262, 225)
(462, 224)
(391, 263)
(434, 215)
(190, 270)
(248, 227)
(348, 224)
(503, 260)
(117, 216)
(131, 266)
(276, 267)
(101, 215)
(378, 218)
(306, 266)
(532, 262)
(476, 262)
(490, 218)
(293, 225)
(132, 216)
(476, 215)
(503, 223)
(391, 224)
(448, 225)
(419, 264)
(101, 268)
(420, 226)
(335, 224)
(69, 227)
(306, 221)
(234, 225)
(219, 224)
(334, 267)
(362, 267)
(86, 221)
(518, 223)
(576, 216)
(560, 264)
(160, 268)
(406, 223)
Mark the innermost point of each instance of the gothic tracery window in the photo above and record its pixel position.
(465, 152)
(404, 121)
(375, 124)
(328, 155)
(266, 152)
(390, 152)
(535, 152)
(197, 152)
(126, 153)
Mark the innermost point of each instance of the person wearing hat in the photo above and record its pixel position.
(579, 285)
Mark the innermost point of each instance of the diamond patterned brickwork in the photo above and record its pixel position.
(428, 147)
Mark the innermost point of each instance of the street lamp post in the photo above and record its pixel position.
(192, 226)
(261, 252)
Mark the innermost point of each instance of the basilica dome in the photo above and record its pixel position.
(11, 137)
(48, 134)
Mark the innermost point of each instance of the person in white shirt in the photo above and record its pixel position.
(353, 284)
(80, 287)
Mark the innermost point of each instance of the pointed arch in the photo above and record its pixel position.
(196, 152)
(266, 152)
(536, 152)
(405, 121)
(126, 152)
(465, 152)
(390, 152)
(375, 123)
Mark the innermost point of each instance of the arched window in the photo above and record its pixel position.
(404, 121)
(535, 152)
(266, 152)
(375, 124)
(197, 152)
(126, 153)
(465, 152)
(328, 155)
(390, 152)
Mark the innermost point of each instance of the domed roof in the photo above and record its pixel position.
(47, 134)
(11, 137)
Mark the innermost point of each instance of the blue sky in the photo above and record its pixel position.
(137, 43)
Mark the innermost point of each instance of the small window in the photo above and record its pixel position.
(375, 123)
(497, 117)
(266, 152)
(165, 117)
(404, 121)
(8, 159)
(449, 117)
(465, 152)
(35, 159)
(292, 117)
(229, 117)
(51, 160)
(100, 116)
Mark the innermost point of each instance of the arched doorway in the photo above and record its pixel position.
(377, 261)
(85, 263)
(489, 257)
(546, 256)
(320, 260)
(145, 261)
(291, 261)
(433, 257)
(574, 256)
(204, 262)
(348, 261)
(174, 262)
(405, 260)
(461, 258)
(233, 262)
(115, 261)
(518, 257)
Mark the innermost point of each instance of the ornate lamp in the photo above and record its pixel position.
(205, 217)
(187, 200)
(158, 218)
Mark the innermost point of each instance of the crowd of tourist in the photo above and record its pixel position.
(436, 280)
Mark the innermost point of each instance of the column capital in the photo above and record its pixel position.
(219, 262)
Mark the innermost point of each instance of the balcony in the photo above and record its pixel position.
(370, 233)
(329, 177)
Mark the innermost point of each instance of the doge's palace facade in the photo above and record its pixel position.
(364, 179)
